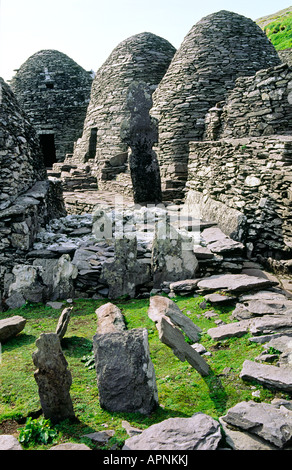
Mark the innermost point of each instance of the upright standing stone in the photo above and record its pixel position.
(173, 258)
(53, 378)
(124, 272)
(125, 373)
(139, 131)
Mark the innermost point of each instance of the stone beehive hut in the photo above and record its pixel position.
(217, 50)
(143, 57)
(54, 91)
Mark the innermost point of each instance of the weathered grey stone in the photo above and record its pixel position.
(279, 378)
(8, 442)
(263, 420)
(131, 430)
(53, 378)
(10, 327)
(15, 300)
(125, 373)
(219, 298)
(233, 283)
(187, 285)
(172, 255)
(70, 446)
(100, 437)
(110, 319)
(123, 273)
(271, 324)
(163, 306)
(240, 440)
(58, 276)
(63, 322)
(200, 432)
(170, 335)
(236, 329)
(220, 243)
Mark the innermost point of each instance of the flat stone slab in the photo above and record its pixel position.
(219, 298)
(242, 440)
(229, 330)
(160, 306)
(279, 378)
(10, 327)
(70, 446)
(271, 324)
(220, 243)
(262, 419)
(172, 337)
(200, 432)
(233, 283)
(188, 285)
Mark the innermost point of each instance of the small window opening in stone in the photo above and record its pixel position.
(47, 142)
(50, 85)
(92, 143)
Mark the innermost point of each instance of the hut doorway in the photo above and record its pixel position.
(47, 142)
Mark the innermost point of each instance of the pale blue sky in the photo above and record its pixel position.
(88, 30)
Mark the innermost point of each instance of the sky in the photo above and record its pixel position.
(88, 30)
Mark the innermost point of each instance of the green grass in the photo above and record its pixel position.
(279, 32)
(182, 391)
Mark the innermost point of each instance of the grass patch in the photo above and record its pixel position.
(182, 391)
(279, 32)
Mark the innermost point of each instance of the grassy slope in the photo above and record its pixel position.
(278, 28)
(182, 391)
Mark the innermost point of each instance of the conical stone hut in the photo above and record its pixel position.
(217, 50)
(142, 57)
(54, 91)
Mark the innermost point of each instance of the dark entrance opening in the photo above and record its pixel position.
(47, 142)
(92, 144)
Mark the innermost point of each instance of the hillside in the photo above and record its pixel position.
(278, 28)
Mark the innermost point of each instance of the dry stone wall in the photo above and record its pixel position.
(258, 105)
(21, 163)
(245, 185)
(54, 91)
(28, 200)
(217, 50)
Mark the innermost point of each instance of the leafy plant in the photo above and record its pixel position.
(89, 361)
(37, 432)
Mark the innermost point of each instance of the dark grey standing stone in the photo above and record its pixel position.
(125, 373)
(53, 378)
(140, 133)
(173, 258)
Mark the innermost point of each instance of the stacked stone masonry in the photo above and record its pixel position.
(258, 105)
(217, 50)
(143, 57)
(28, 200)
(245, 185)
(54, 91)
